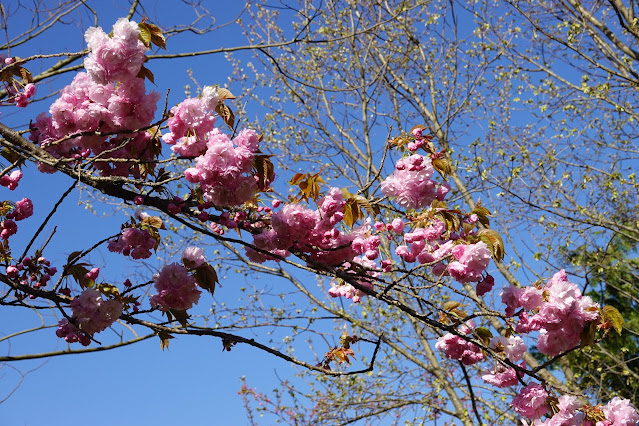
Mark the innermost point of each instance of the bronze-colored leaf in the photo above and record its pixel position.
(73, 256)
(264, 170)
(156, 35)
(224, 94)
(164, 339)
(587, 335)
(309, 185)
(154, 222)
(467, 227)
(451, 304)
(226, 114)
(442, 166)
(494, 242)
(145, 34)
(484, 335)
(351, 212)
(180, 316)
(206, 277)
(146, 73)
(25, 74)
(613, 316)
(458, 313)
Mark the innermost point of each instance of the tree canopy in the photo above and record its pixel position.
(433, 203)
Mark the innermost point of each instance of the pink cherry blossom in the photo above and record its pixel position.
(117, 58)
(410, 184)
(531, 401)
(22, 210)
(133, 242)
(471, 261)
(193, 257)
(94, 314)
(176, 289)
(620, 412)
(11, 180)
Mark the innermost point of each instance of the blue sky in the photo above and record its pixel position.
(194, 382)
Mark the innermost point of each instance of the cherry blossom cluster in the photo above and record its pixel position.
(411, 183)
(340, 288)
(223, 167)
(224, 170)
(116, 58)
(559, 312)
(190, 122)
(512, 348)
(11, 180)
(93, 107)
(533, 401)
(429, 246)
(458, 348)
(133, 242)
(18, 92)
(177, 289)
(91, 314)
(21, 210)
(314, 233)
(138, 238)
(34, 272)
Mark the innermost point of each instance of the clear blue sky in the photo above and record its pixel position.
(193, 382)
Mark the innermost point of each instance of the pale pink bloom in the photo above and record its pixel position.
(176, 289)
(531, 401)
(513, 347)
(556, 341)
(410, 184)
(501, 377)
(472, 260)
(457, 348)
(620, 412)
(248, 138)
(510, 297)
(531, 297)
(193, 257)
(94, 314)
(397, 225)
(137, 243)
(210, 97)
(114, 59)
